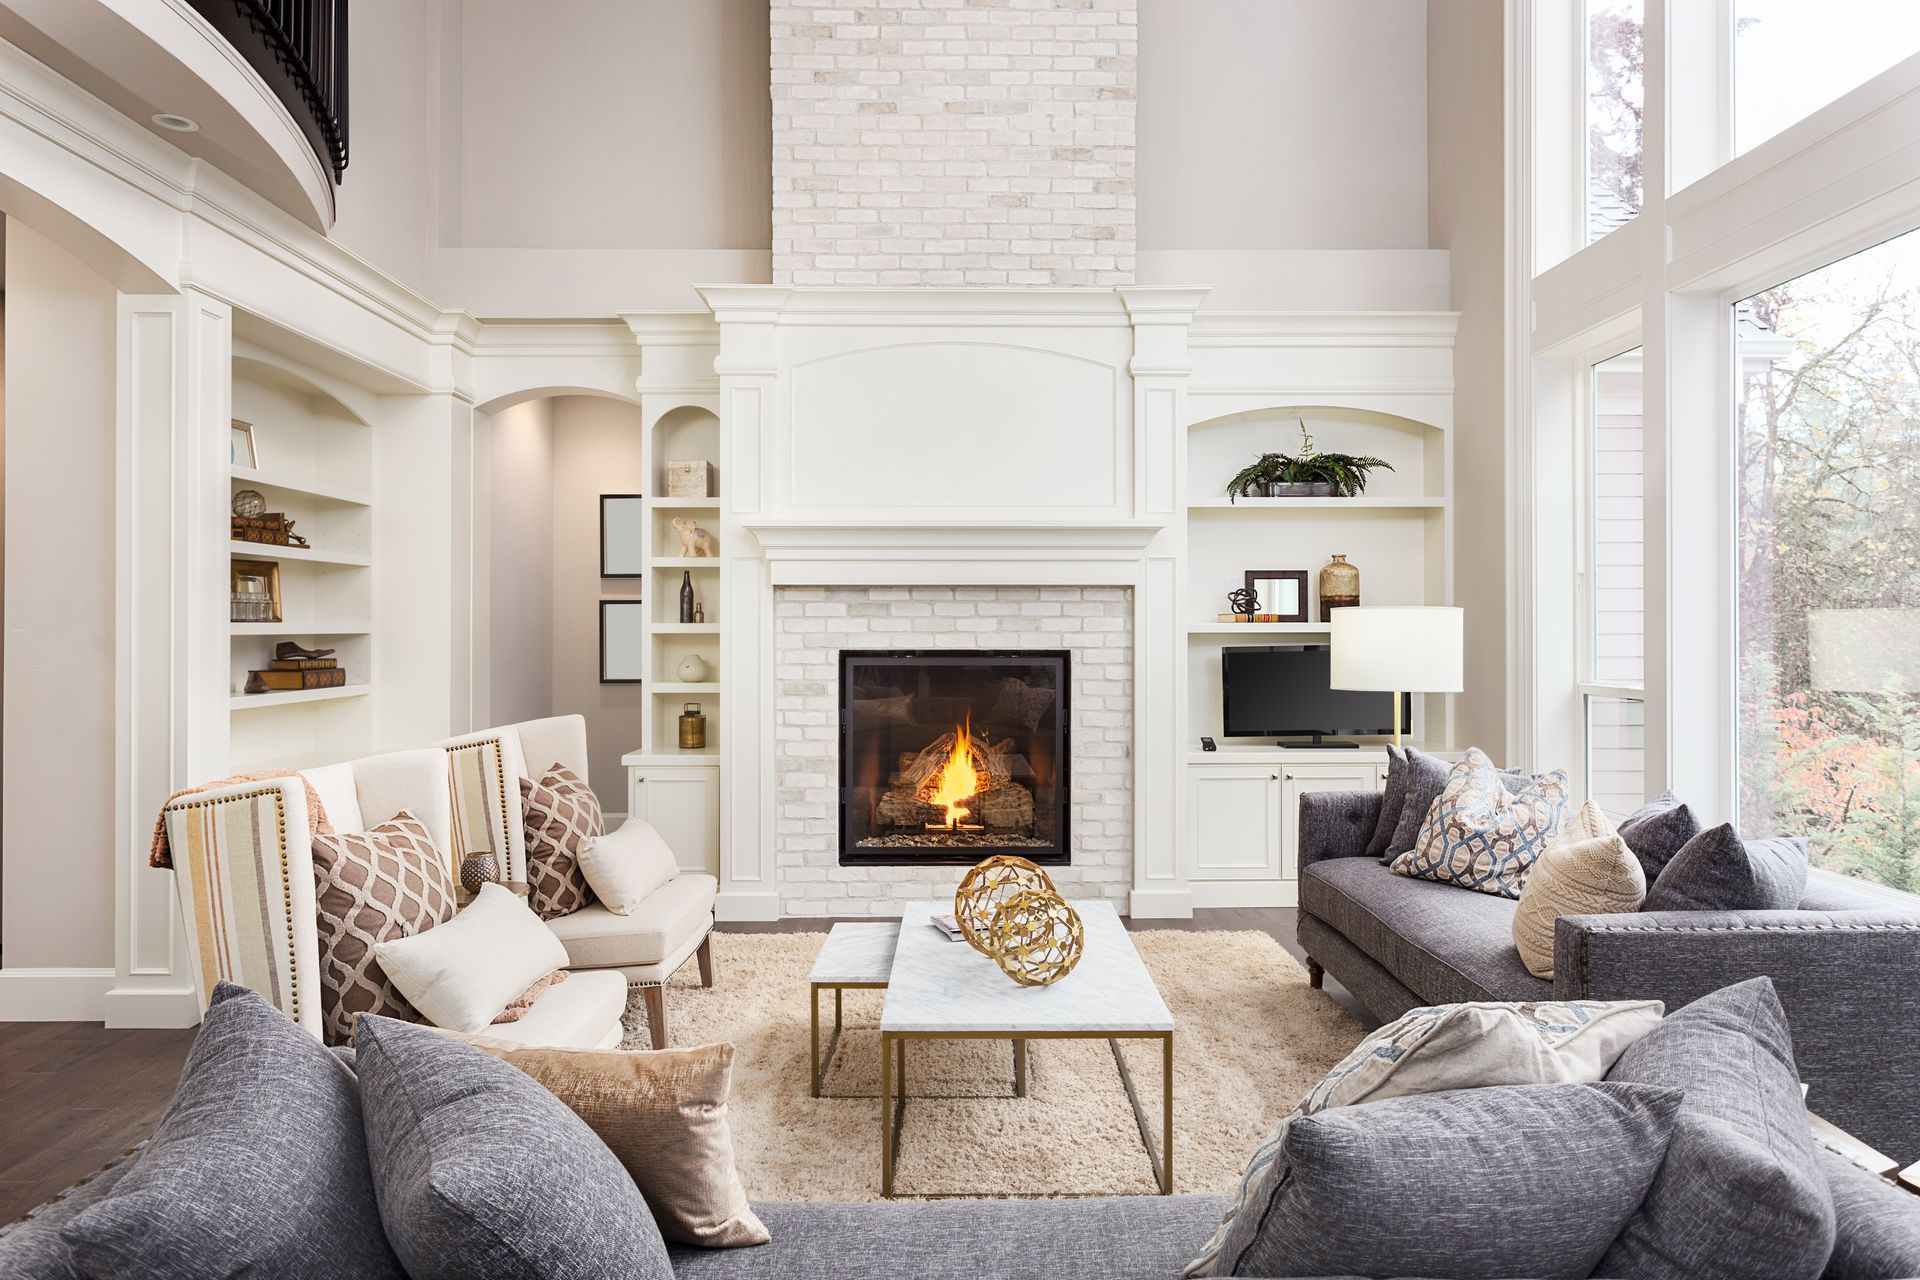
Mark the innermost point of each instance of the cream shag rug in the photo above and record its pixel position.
(1250, 1038)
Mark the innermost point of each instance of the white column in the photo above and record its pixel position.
(1162, 862)
(175, 380)
(748, 372)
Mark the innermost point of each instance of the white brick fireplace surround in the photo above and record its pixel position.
(812, 626)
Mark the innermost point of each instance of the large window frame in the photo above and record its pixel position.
(1839, 181)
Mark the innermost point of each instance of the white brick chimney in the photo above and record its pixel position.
(953, 142)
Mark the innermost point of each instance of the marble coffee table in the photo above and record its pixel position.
(939, 989)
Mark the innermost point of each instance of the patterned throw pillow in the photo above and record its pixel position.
(1479, 836)
(373, 886)
(561, 812)
(1588, 871)
(1450, 1046)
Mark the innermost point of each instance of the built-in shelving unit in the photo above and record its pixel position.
(316, 465)
(687, 431)
(1398, 534)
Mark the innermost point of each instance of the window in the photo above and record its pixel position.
(1615, 100)
(1613, 648)
(1790, 57)
(1828, 512)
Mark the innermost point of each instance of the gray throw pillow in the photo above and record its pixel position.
(257, 1167)
(1513, 1180)
(482, 1172)
(1718, 871)
(1393, 798)
(1742, 1193)
(1426, 779)
(1657, 830)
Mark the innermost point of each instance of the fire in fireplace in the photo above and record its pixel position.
(952, 756)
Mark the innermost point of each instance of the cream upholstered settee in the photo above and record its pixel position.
(648, 945)
(243, 863)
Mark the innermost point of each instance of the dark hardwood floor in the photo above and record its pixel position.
(73, 1095)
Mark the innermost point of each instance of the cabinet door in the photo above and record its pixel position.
(1296, 780)
(684, 807)
(1234, 812)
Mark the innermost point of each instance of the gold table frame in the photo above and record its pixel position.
(820, 1064)
(893, 1110)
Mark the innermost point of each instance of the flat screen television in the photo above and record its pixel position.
(1282, 691)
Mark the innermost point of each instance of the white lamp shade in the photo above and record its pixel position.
(1405, 648)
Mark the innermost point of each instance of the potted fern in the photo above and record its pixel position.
(1307, 474)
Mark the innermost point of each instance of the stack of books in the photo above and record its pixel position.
(294, 668)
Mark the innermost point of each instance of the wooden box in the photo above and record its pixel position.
(690, 479)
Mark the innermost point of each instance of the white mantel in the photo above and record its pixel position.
(949, 437)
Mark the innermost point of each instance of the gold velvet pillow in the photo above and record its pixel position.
(1588, 871)
(664, 1114)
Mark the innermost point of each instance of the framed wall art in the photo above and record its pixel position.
(623, 540)
(623, 625)
(1282, 592)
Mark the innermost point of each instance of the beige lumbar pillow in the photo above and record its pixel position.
(626, 865)
(460, 975)
(1588, 871)
(664, 1114)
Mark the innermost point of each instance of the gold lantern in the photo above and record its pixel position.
(693, 728)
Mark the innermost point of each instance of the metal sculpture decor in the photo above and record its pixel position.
(1243, 600)
(991, 882)
(1038, 937)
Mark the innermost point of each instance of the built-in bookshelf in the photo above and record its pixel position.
(311, 459)
(1398, 533)
(684, 432)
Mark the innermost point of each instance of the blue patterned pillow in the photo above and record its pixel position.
(1480, 836)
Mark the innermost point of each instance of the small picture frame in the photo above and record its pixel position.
(254, 590)
(623, 625)
(1282, 593)
(622, 535)
(241, 450)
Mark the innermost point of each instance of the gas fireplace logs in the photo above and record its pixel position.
(956, 784)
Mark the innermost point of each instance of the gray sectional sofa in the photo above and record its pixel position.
(1843, 963)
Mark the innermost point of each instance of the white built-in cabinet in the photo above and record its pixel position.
(683, 804)
(1243, 818)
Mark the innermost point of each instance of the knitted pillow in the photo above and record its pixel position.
(369, 887)
(1479, 836)
(1589, 870)
(560, 812)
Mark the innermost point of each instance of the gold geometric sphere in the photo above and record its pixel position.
(991, 882)
(1038, 938)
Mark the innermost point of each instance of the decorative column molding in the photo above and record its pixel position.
(175, 383)
(1161, 366)
(748, 369)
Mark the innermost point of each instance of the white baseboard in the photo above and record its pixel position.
(1246, 893)
(54, 995)
(1160, 904)
(137, 1006)
(736, 904)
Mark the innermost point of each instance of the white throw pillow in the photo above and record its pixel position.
(461, 974)
(1588, 871)
(625, 866)
(1458, 1046)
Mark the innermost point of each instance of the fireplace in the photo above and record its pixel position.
(948, 757)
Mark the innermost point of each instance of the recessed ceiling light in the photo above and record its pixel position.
(179, 124)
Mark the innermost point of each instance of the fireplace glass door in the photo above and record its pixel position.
(953, 756)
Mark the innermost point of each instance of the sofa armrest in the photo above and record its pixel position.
(1337, 824)
(1843, 979)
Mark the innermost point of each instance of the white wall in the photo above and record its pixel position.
(58, 715)
(384, 207)
(519, 443)
(1465, 179)
(1296, 125)
(596, 450)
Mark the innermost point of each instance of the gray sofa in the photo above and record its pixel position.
(1121, 1238)
(1843, 963)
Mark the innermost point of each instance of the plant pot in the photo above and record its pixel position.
(1311, 489)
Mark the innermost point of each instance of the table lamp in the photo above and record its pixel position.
(1398, 649)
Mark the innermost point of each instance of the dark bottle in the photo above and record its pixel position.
(686, 595)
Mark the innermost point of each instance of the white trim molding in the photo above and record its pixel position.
(55, 995)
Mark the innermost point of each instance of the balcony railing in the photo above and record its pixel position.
(299, 47)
